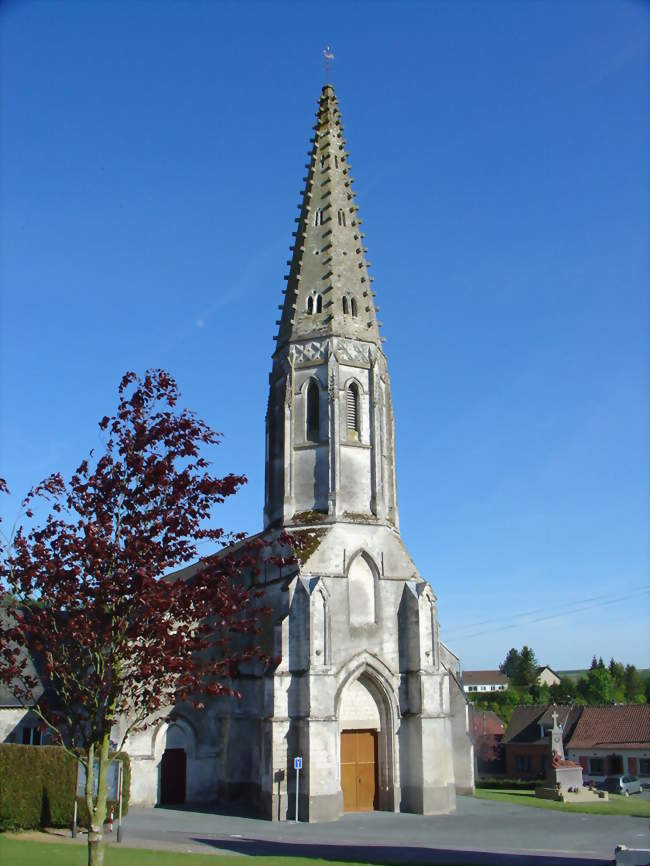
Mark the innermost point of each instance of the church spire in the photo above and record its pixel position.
(330, 439)
(328, 286)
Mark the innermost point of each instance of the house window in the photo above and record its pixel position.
(341, 217)
(345, 305)
(644, 766)
(523, 763)
(352, 408)
(313, 412)
(596, 767)
(31, 736)
(615, 764)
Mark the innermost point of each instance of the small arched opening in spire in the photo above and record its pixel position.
(341, 217)
(336, 161)
(319, 303)
(322, 160)
(345, 305)
(313, 412)
(310, 305)
(318, 217)
(353, 307)
(352, 410)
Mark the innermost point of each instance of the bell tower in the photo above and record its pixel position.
(330, 432)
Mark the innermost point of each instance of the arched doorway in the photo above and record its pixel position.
(362, 746)
(173, 768)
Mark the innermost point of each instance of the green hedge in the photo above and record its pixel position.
(37, 787)
(507, 784)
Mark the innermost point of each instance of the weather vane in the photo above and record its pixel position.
(328, 54)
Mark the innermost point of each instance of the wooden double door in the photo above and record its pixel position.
(359, 770)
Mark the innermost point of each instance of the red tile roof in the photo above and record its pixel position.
(483, 722)
(484, 678)
(621, 726)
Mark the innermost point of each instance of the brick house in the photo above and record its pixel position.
(612, 739)
(527, 740)
(487, 732)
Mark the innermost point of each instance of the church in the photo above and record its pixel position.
(362, 693)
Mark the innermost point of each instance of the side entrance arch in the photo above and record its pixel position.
(173, 775)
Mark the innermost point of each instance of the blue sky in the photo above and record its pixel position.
(151, 159)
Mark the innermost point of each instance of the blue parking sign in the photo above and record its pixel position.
(297, 763)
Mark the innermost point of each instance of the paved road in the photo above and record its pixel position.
(480, 832)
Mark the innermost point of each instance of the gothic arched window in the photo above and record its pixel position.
(345, 305)
(319, 303)
(310, 305)
(341, 217)
(353, 306)
(352, 408)
(313, 412)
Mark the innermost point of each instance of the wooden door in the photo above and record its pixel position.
(359, 770)
(173, 769)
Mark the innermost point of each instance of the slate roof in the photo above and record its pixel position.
(525, 722)
(7, 699)
(484, 678)
(622, 726)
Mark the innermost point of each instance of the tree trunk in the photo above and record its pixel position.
(97, 809)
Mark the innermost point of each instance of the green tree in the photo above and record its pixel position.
(596, 687)
(527, 671)
(633, 685)
(565, 692)
(510, 665)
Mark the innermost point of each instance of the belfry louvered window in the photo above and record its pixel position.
(318, 217)
(313, 412)
(319, 303)
(352, 408)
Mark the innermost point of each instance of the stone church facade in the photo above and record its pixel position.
(364, 691)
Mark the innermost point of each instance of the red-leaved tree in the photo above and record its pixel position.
(84, 591)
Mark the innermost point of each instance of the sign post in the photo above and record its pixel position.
(297, 766)
(119, 802)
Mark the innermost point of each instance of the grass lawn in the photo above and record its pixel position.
(617, 805)
(16, 852)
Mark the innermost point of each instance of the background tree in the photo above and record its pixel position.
(565, 692)
(83, 590)
(633, 685)
(527, 671)
(597, 687)
(510, 665)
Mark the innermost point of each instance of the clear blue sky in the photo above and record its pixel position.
(152, 156)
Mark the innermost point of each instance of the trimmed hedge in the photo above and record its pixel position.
(507, 784)
(37, 787)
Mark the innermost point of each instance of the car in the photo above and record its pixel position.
(622, 785)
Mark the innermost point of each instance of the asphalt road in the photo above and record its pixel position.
(479, 832)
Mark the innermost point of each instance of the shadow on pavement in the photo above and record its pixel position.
(386, 855)
(232, 810)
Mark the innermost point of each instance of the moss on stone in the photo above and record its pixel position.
(307, 543)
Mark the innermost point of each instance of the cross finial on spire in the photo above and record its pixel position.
(328, 54)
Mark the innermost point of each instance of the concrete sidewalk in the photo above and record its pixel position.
(479, 832)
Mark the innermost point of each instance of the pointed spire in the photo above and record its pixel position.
(328, 286)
